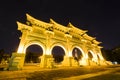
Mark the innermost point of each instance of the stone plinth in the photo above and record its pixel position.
(16, 61)
(47, 61)
(84, 62)
(74, 62)
(67, 61)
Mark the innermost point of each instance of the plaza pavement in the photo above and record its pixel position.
(110, 71)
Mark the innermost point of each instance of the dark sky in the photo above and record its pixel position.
(100, 17)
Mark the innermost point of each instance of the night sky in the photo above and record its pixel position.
(100, 17)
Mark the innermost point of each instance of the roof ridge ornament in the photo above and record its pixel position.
(36, 21)
(75, 29)
(22, 26)
(58, 26)
(70, 25)
(54, 22)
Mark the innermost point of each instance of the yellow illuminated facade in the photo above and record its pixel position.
(49, 35)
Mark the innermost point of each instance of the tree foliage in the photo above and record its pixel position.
(4, 56)
(116, 54)
(112, 54)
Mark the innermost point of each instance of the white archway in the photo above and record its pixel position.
(48, 35)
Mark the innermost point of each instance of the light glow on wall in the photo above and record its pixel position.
(23, 49)
(20, 50)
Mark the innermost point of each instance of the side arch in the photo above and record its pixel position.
(94, 55)
(34, 43)
(76, 46)
(100, 57)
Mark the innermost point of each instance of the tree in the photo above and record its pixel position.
(107, 54)
(116, 54)
(1, 54)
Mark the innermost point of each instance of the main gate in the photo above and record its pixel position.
(48, 35)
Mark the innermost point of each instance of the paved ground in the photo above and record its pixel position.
(110, 74)
(74, 73)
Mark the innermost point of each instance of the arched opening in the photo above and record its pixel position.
(90, 56)
(77, 54)
(98, 57)
(33, 53)
(58, 54)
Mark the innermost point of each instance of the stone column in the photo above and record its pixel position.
(102, 61)
(22, 41)
(68, 57)
(47, 59)
(84, 61)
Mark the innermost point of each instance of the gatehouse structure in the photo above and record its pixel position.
(48, 35)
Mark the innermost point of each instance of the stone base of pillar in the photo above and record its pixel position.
(103, 62)
(93, 63)
(67, 61)
(70, 61)
(74, 62)
(109, 63)
(16, 61)
(84, 62)
(47, 61)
